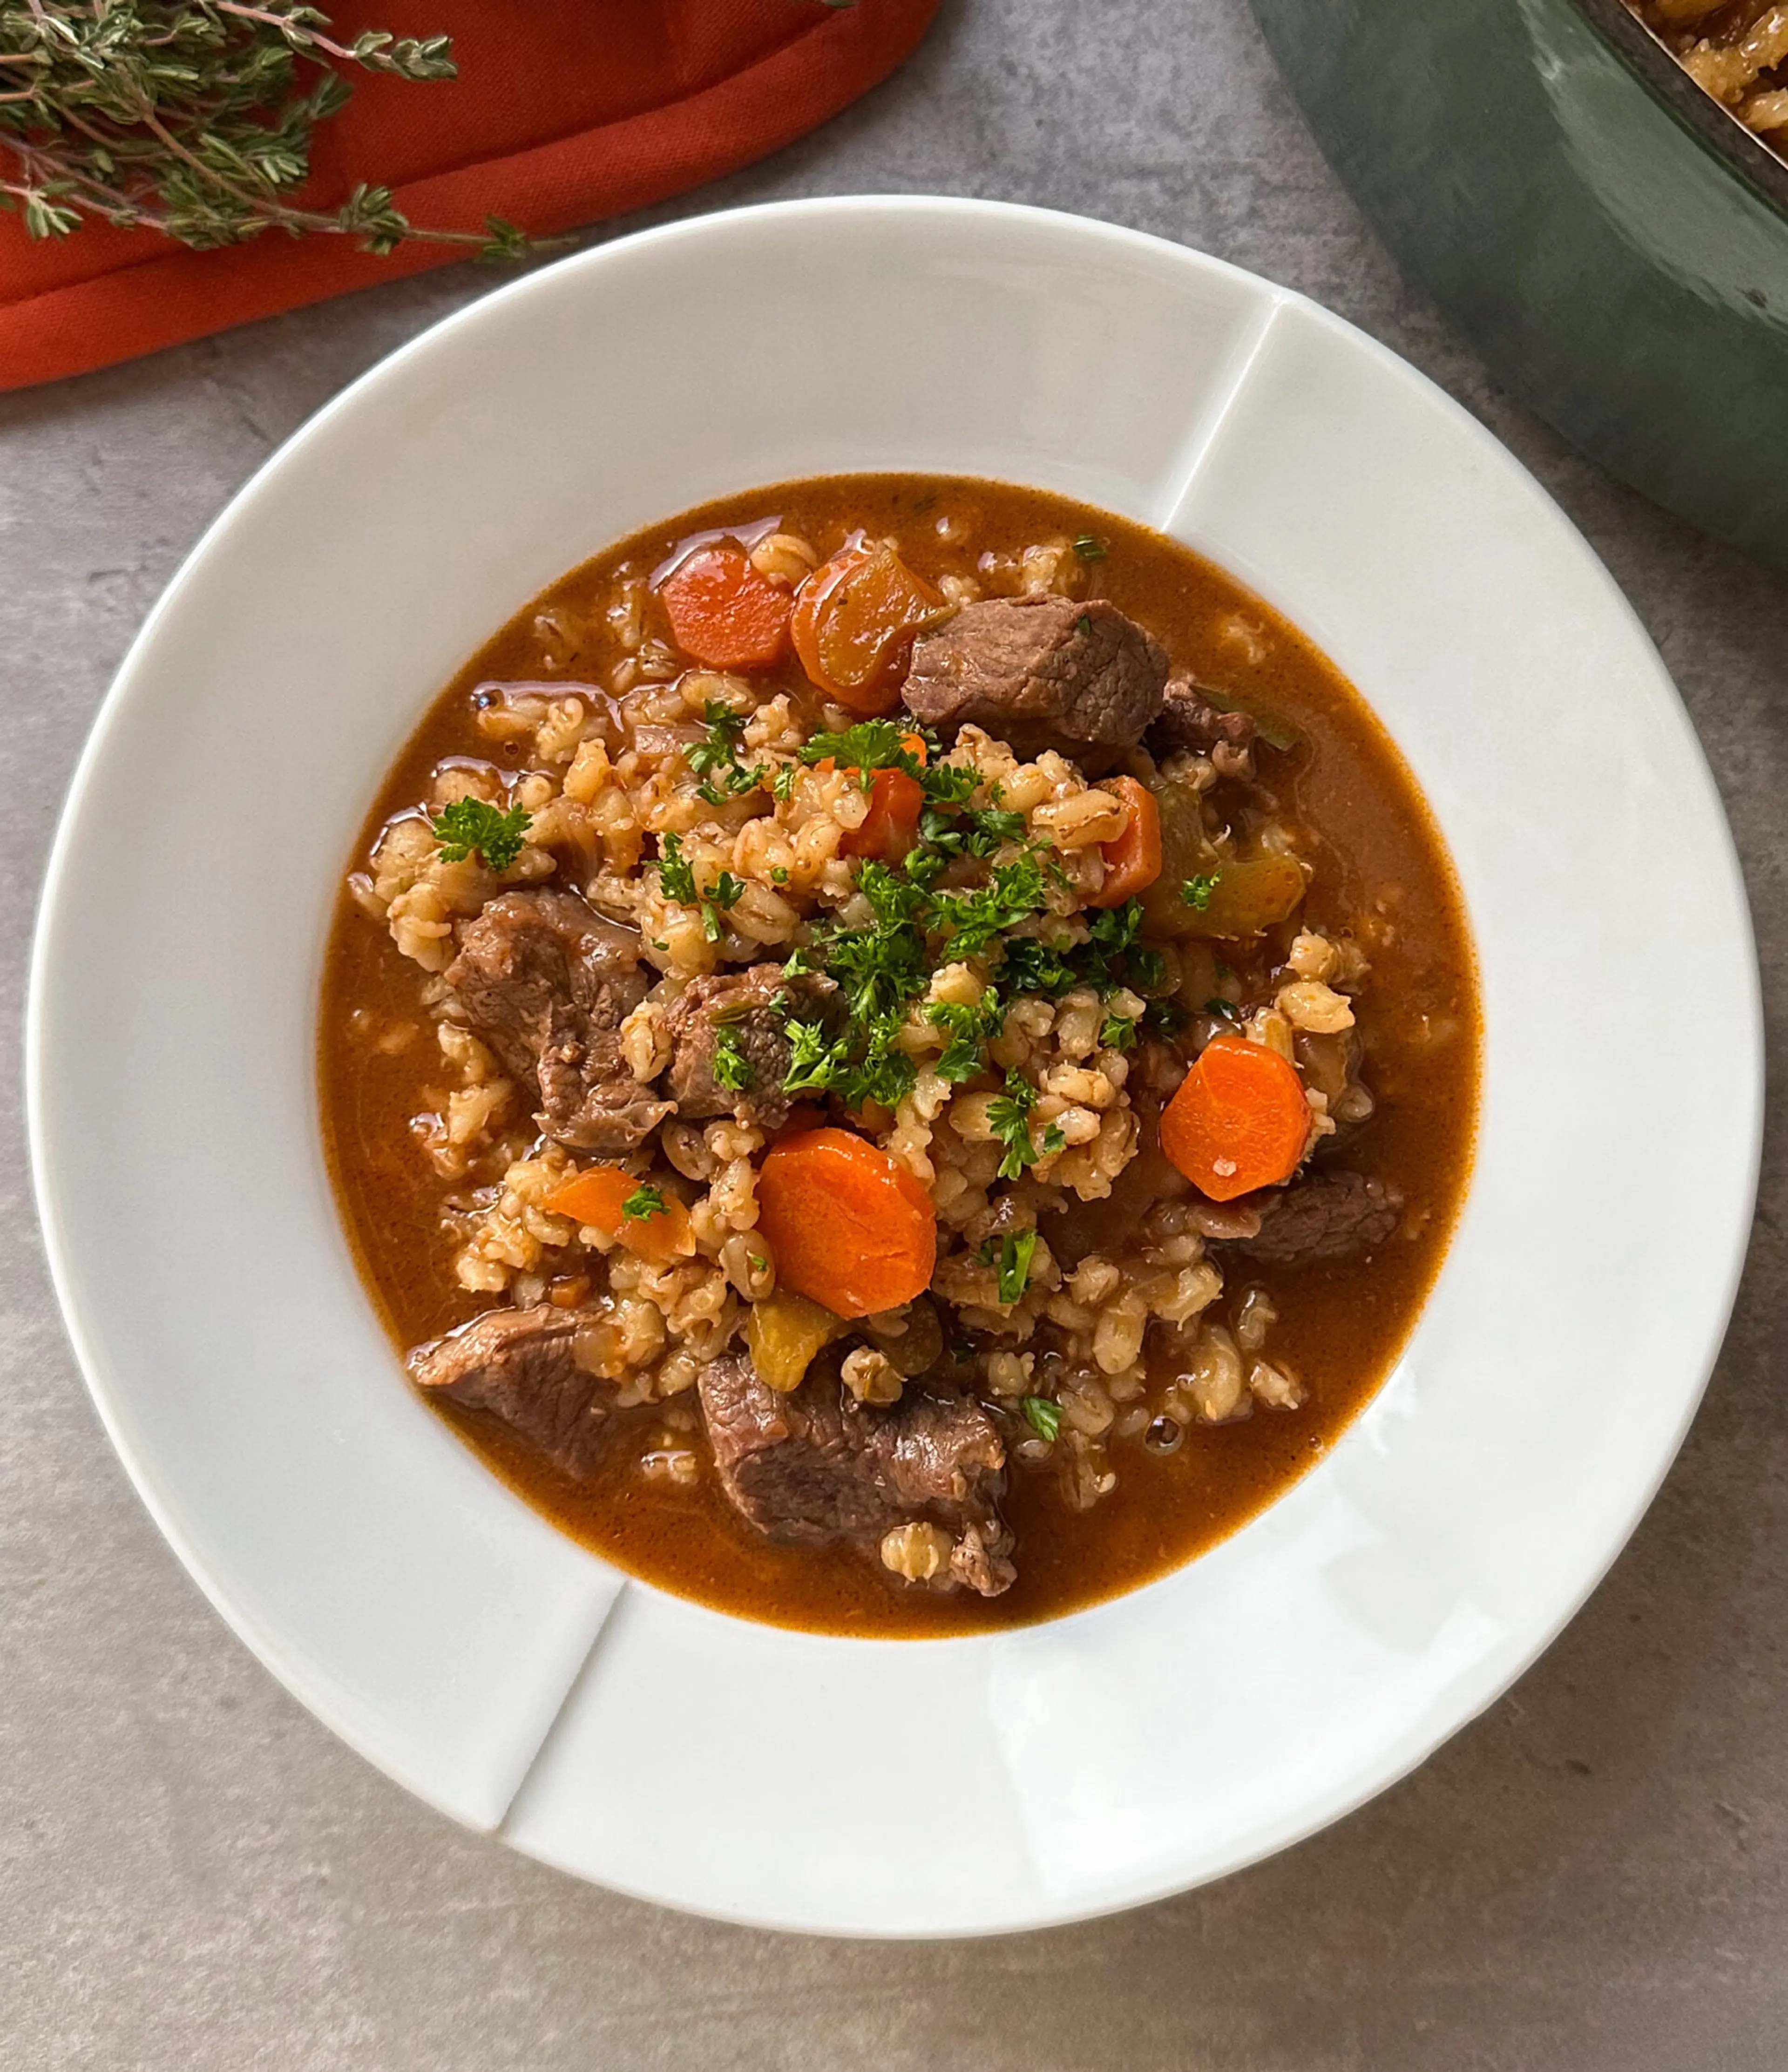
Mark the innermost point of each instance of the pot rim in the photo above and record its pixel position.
(1712, 125)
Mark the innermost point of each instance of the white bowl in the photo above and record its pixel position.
(902, 1788)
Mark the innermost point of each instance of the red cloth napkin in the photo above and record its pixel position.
(564, 111)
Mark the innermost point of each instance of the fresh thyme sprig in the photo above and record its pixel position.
(195, 118)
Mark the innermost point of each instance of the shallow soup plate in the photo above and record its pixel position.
(425, 1613)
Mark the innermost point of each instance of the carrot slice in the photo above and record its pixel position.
(891, 828)
(1132, 862)
(853, 619)
(723, 613)
(849, 1227)
(598, 1196)
(1239, 1121)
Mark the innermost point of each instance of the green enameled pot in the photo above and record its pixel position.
(1613, 243)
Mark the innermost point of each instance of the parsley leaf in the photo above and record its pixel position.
(1161, 1017)
(1016, 1248)
(951, 783)
(1115, 956)
(734, 783)
(1083, 624)
(646, 1200)
(1008, 1114)
(1090, 549)
(719, 752)
(1196, 891)
(676, 879)
(1117, 1032)
(992, 824)
(675, 876)
(971, 1028)
(1217, 1004)
(1031, 965)
(730, 1066)
(471, 824)
(1043, 1417)
(872, 744)
(971, 920)
(813, 1057)
(721, 746)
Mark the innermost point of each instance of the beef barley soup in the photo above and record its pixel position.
(899, 1054)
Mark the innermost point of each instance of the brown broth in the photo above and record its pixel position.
(1377, 854)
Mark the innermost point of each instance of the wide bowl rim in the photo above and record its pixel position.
(39, 1065)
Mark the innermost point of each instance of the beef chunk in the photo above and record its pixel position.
(1189, 722)
(1040, 673)
(1323, 1215)
(521, 1365)
(547, 983)
(814, 1466)
(739, 1002)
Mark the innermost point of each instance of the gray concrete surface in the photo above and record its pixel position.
(194, 1877)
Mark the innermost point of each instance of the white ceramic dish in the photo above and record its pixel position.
(438, 1625)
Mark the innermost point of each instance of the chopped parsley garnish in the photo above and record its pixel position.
(882, 967)
(1117, 1032)
(1016, 1248)
(722, 896)
(1114, 955)
(646, 1200)
(1043, 1417)
(811, 1058)
(871, 745)
(1090, 549)
(734, 782)
(947, 830)
(1217, 1004)
(1111, 958)
(470, 824)
(1161, 1017)
(719, 752)
(971, 1029)
(971, 920)
(1008, 1114)
(1031, 965)
(781, 785)
(675, 877)
(1196, 891)
(731, 1068)
(864, 1064)
(721, 746)
(1083, 624)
